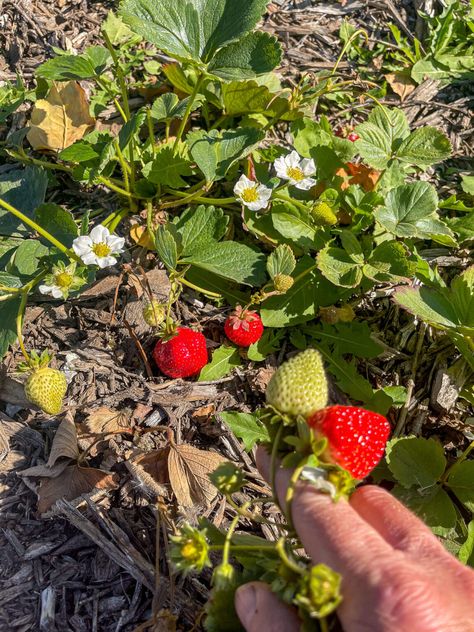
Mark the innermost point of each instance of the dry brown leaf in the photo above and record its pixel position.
(151, 470)
(73, 482)
(43, 471)
(4, 444)
(64, 442)
(401, 84)
(106, 420)
(61, 118)
(204, 412)
(189, 470)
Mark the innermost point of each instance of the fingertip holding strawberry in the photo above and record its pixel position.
(243, 327)
(183, 354)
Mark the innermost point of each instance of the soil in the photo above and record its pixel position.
(92, 564)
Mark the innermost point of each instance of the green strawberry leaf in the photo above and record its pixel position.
(346, 338)
(58, 222)
(246, 426)
(27, 258)
(466, 552)
(410, 211)
(8, 313)
(461, 482)
(168, 168)
(267, 344)
(231, 260)
(424, 147)
(191, 31)
(255, 54)
(339, 267)
(168, 106)
(224, 359)
(433, 506)
(381, 135)
(281, 261)
(215, 152)
(199, 227)
(25, 189)
(416, 462)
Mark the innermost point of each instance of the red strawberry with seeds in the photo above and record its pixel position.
(243, 327)
(356, 437)
(183, 355)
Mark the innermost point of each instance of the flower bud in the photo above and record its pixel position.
(228, 478)
(154, 313)
(319, 591)
(283, 282)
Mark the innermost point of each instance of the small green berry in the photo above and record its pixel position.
(283, 282)
(323, 214)
(154, 313)
(299, 386)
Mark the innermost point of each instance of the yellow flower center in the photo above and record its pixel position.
(101, 249)
(295, 173)
(250, 195)
(189, 551)
(63, 280)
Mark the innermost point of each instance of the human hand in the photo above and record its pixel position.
(396, 575)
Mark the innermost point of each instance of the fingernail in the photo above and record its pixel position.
(246, 604)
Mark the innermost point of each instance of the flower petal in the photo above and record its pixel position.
(99, 234)
(45, 289)
(81, 245)
(105, 262)
(89, 258)
(115, 243)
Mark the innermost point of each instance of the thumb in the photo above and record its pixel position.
(260, 610)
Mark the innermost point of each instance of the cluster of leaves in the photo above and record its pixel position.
(445, 52)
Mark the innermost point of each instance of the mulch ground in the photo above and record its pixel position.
(92, 564)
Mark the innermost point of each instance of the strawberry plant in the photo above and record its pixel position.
(240, 189)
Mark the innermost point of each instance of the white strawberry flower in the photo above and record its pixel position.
(99, 248)
(296, 170)
(61, 281)
(251, 194)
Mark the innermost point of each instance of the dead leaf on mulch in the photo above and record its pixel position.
(151, 470)
(401, 84)
(44, 471)
(189, 470)
(61, 118)
(4, 444)
(141, 237)
(13, 461)
(73, 482)
(64, 442)
(105, 420)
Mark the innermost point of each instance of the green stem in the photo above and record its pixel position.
(273, 462)
(185, 200)
(52, 166)
(10, 290)
(184, 120)
(114, 219)
(462, 457)
(204, 200)
(249, 547)
(113, 187)
(229, 534)
(44, 233)
(287, 198)
(151, 131)
(21, 312)
(200, 289)
(346, 46)
(287, 561)
(290, 492)
(120, 75)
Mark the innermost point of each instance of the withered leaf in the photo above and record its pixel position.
(401, 84)
(141, 237)
(189, 470)
(64, 442)
(43, 471)
(61, 118)
(73, 482)
(151, 470)
(107, 420)
(4, 444)
(13, 461)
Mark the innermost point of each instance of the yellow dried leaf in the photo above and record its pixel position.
(401, 84)
(61, 118)
(106, 420)
(189, 470)
(141, 237)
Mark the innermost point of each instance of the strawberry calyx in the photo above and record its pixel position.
(35, 361)
(241, 318)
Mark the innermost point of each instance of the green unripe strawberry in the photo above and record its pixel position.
(283, 282)
(46, 387)
(154, 313)
(323, 214)
(299, 386)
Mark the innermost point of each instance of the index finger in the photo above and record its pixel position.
(332, 532)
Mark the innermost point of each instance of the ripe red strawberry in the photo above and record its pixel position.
(356, 437)
(352, 137)
(183, 355)
(243, 327)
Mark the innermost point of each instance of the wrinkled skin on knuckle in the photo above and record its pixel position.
(412, 598)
